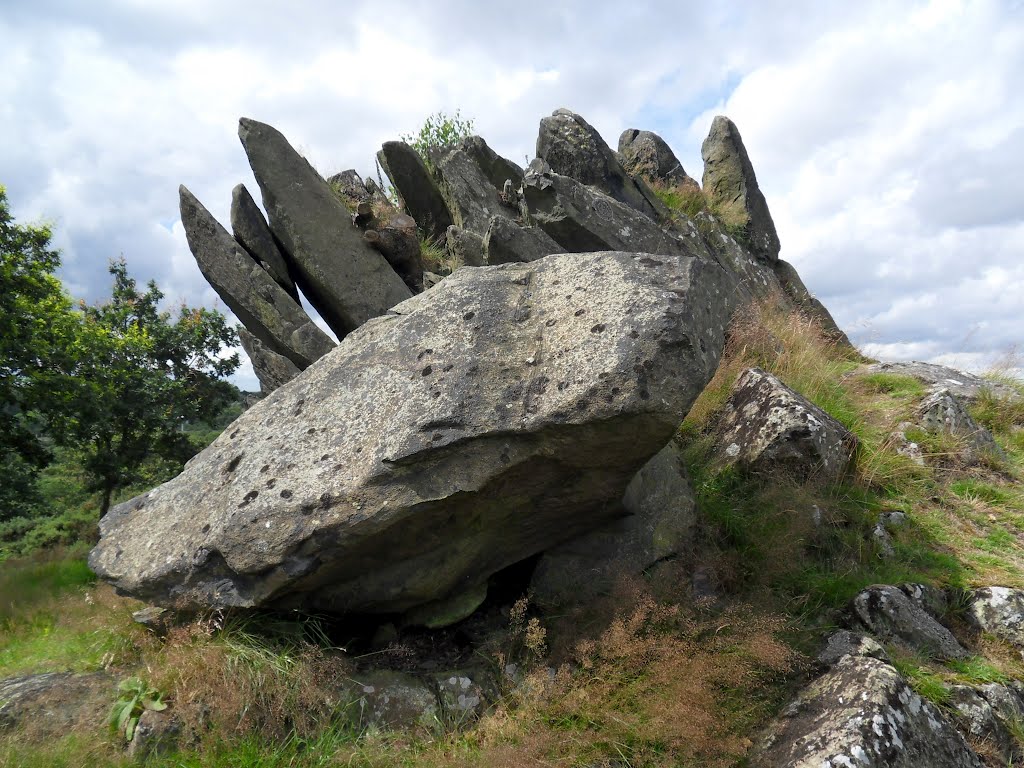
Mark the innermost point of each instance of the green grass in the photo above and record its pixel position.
(895, 384)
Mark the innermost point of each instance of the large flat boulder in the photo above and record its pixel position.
(249, 290)
(732, 189)
(481, 422)
(573, 147)
(344, 278)
(862, 714)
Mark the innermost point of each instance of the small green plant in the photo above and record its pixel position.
(895, 384)
(137, 696)
(439, 131)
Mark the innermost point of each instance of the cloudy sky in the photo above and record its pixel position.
(888, 137)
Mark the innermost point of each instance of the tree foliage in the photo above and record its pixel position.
(439, 131)
(116, 381)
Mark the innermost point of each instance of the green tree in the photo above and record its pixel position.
(38, 329)
(439, 131)
(145, 376)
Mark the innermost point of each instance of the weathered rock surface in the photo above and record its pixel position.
(273, 370)
(890, 615)
(583, 219)
(862, 714)
(351, 187)
(394, 236)
(506, 242)
(731, 187)
(47, 706)
(496, 168)
(795, 289)
(340, 274)
(843, 643)
(979, 721)
(461, 694)
(469, 193)
(392, 700)
(766, 427)
(647, 155)
(253, 234)
(464, 249)
(659, 524)
(263, 306)
(960, 384)
(156, 733)
(941, 411)
(491, 418)
(574, 148)
(416, 186)
(1000, 612)
(931, 600)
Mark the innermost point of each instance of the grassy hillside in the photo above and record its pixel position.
(645, 677)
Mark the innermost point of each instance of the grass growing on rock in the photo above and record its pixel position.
(644, 676)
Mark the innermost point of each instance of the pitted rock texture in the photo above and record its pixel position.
(862, 714)
(890, 615)
(572, 147)
(345, 279)
(263, 306)
(252, 233)
(646, 154)
(731, 187)
(766, 427)
(479, 423)
(660, 520)
(1000, 612)
(417, 188)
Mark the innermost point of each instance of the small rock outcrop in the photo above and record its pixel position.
(46, 707)
(477, 424)
(346, 280)
(890, 615)
(941, 411)
(469, 193)
(410, 176)
(572, 147)
(731, 187)
(843, 643)
(965, 386)
(263, 306)
(659, 525)
(253, 234)
(862, 714)
(464, 249)
(1000, 612)
(767, 428)
(646, 154)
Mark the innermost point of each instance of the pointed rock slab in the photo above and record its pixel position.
(646, 154)
(263, 306)
(580, 218)
(862, 714)
(574, 148)
(345, 279)
(409, 175)
(469, 193)
(507, 242)
(251, 231)
(496, 168)
(795, 289)
(768, 428)
(273, 370)
(731, 187)
(477, 424)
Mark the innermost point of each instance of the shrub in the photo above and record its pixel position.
(439, 131)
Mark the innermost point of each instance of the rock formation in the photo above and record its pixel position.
(481, 422)
(645, 154)
(732, 189)
(344, 278)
